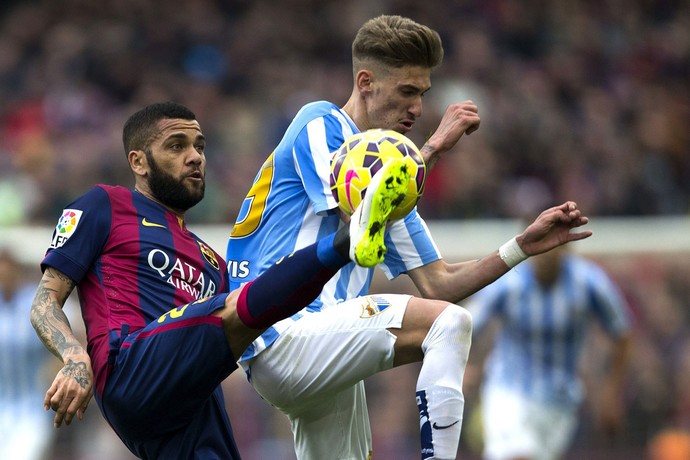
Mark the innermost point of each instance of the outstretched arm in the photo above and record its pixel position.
(454, 282)
(72, 388)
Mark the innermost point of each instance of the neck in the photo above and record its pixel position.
(351, 108)
(147, 193)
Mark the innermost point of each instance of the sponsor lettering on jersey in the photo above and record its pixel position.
(181, 274)
(65, 227)
(238, 268)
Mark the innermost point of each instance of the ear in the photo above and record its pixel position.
(363, 80)
(138, 162)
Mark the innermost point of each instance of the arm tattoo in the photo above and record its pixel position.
(78, 371)
(430, 155)
(49, 321)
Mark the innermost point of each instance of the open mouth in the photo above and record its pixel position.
(197, 176)
(407, 125)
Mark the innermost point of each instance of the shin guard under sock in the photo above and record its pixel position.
(439, 386)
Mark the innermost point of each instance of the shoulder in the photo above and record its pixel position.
(585, 267)
(325, 114)
(95, 199)
(101, 192)
(317, 108)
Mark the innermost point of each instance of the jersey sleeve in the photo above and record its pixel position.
(409, 245)
(312, 152)
(488, 303)
(608, 302)
(80, 234)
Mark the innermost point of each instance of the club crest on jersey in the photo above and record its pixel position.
(373, 305)
(65, 227)
(209, 255)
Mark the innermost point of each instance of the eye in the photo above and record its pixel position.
(410, 92)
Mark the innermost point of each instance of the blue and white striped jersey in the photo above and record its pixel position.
(290, 206)
(542, 329)
(23, 364)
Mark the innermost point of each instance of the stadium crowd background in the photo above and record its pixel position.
(586, 100)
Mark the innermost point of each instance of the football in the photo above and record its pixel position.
(362, 155)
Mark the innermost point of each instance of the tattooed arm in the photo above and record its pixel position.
(71, 391)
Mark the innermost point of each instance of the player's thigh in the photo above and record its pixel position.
(337, 427)
(325, 352)
(168, 369)
(509, 432)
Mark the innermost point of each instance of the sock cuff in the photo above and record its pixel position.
(328, 255)
(242, 308)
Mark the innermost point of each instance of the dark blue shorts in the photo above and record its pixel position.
(163, 395)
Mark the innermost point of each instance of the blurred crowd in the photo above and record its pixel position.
(588, 100)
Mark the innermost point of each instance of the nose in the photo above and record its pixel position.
(416, 107)
(195, 156)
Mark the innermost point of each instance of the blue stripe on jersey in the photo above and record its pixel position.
(547, 342)
(156, 214)
(543, 329)
(573, 333)
(525, 336)
(293, 207)
(23, 361)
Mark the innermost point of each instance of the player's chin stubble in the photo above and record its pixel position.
(171, 191)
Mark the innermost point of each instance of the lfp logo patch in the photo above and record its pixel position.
(373, 305)
(65, 227)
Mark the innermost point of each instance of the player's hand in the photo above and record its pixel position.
(71, 390)
(460, 118)
(553, 228)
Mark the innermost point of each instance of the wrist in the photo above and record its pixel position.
(511, 253)
(429, 153)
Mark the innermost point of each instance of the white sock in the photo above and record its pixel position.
(439, 386)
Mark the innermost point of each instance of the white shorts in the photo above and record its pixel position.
(518, 427)
(314, 372)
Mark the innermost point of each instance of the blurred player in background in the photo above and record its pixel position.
(25, 432)
(531, 392)
(162, 330)
(311, 366)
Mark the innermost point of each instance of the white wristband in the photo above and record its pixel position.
(511, 253)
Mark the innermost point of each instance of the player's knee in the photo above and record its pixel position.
(456, 320)
(454, 324)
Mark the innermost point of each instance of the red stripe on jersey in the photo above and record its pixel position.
(211, 320)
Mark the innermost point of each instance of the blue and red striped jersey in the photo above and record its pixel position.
(133, 260)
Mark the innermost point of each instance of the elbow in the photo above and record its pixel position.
(439, 293)
(34, 317)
